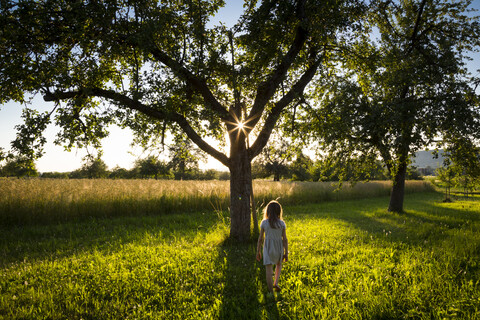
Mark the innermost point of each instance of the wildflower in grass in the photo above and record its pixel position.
(275, 247)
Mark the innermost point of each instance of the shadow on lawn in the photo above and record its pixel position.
(423, 219)
(107, 235)
(244, 292)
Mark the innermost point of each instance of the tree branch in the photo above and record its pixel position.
(267, 89)
(196, 82)
(202, 144)
(147, 110)
(413, 37)
(295, 91)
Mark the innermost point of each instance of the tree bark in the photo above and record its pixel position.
(398, 190)
(276, 176)
(240, 179)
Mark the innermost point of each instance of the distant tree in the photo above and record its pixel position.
(209, 174)
(77, 174)
(224, 175)
(275, 158)
(464, 160)
(54, 175)
(343, 168)
(446, 175)
(94, 167)
(120, 173)
(300, 168)
(258, 170)
(184, 157)
(413, 173)
(19, 166)
(152, 167)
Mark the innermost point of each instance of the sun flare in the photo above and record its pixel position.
(240, 125)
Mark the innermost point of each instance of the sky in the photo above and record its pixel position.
(117, 149)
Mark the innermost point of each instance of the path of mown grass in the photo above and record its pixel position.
(349, 260)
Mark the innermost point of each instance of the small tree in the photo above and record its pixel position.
(446, 175)
(120, 173)
(463, 157)
(300, 168)
(94, 167)
(19, 166)
(274, 158)
(152, 167)
(184, 157)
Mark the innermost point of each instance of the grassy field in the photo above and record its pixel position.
(40, 201)
(349, 259)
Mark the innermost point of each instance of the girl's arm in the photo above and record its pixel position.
(260, 244)
(285, 245)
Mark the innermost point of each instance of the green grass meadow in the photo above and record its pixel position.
(349, 259)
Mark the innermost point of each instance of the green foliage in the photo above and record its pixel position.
(403, 86)
(151, 167)
(93, 168)
(18, 166)
(274, 160)
(300, 168)
(159, 66)
(353, 260)
(446, 175)
(184, 158)
(462, 167)
(54, 175)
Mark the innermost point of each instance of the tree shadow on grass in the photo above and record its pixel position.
(244, 287)
(39, 242)
(453, 216)
(424, 219)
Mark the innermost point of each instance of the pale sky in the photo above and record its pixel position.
(116, 148)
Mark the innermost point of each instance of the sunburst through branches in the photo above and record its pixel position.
(239, 126)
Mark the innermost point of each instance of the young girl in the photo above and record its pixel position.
(275, 248)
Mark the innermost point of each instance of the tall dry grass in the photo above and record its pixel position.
(26, 201)
(314, 192)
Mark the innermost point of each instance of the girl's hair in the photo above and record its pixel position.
(273, 212)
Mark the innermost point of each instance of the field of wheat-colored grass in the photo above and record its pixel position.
(26, 201)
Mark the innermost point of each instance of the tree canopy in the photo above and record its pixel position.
(402, 87)
(157, 66)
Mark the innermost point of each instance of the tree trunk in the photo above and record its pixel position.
(240, 180)
(398, 190)
(276, 176)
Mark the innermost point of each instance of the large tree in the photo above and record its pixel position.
(156, 65)
(403, 87)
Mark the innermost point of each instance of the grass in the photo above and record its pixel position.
(348, 260)
(43, 201)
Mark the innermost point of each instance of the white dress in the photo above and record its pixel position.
(273, 245)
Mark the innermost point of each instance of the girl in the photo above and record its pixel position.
(275, 248)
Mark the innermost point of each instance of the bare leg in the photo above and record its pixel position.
(269, 270)
(278, 270)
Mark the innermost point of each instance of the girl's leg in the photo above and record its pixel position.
(278, 270)
(269, 270)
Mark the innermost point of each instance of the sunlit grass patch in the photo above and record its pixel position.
(360, 263)
(348, 260)
(115, 269)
